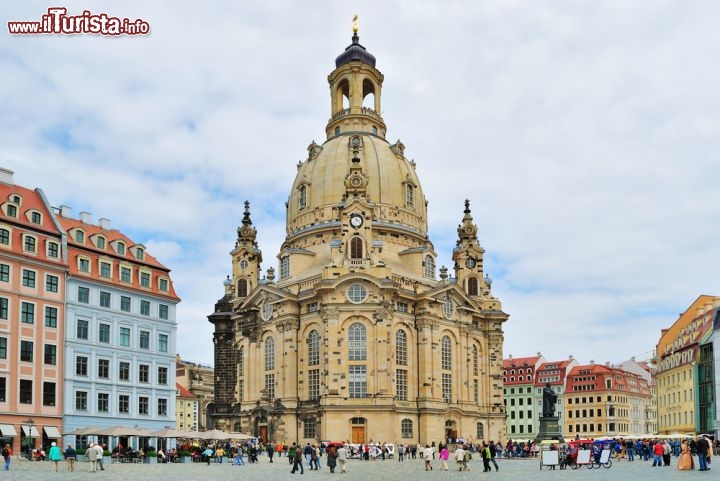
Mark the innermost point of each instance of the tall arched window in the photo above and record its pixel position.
(357, 351)
(313, 380)
(357, 342)
(269, 366)
(472, 285)
(313, 348)
(356, 248)
(409, 195)
(303, 196)
(269, 354)
(429, 267)
(475, 356)
(446, 353)
(446, 365)
(242, 288)
(241, 361)
(401, 347)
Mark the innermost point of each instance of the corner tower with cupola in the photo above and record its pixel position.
(358, 337)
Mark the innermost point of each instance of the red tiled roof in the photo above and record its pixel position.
(31, 200)
(89, 249)
(520, 362)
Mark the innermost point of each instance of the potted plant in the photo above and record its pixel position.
(151, 456)
(185, 457)
(107, 457)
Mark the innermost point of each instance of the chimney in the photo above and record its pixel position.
(7, 176)
(570, 357)
(104, 223)
(86, 217)
(65, 211)
(510, 357)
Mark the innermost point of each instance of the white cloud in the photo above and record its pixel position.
(584, 133)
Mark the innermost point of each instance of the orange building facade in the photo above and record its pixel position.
(32, 296)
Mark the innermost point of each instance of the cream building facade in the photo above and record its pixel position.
(357, 337)
(685, 392)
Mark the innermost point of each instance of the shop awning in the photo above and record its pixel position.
(34, 433)
(8, 430)
(52, 432)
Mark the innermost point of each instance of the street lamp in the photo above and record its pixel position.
(30, 423)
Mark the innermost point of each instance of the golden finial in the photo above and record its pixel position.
(355, 25)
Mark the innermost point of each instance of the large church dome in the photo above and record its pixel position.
(356, 201)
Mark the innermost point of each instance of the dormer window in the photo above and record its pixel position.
(429, 267)
(4, 236)
(121, 248)
(36, 218)
(139, 253)
(11, 210)
(302, 196)
(284, 267)
(100, 242)
(29, 243)
(80, 236)
(409, 195)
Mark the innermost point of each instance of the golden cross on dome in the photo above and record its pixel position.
(355, 23)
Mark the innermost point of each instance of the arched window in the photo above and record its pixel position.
(284, 267)
(472, 286)
(242, 288)
(480, 431)
(409, 195)
(429, 267)
(475, 356)
(356, 248)
(241, 361)
(313, 348)
(446, 353)
(406, 428)
(401, 347)
(269, 354)
(302, 197)
(357, 342)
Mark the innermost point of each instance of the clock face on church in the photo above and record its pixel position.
(356, 221)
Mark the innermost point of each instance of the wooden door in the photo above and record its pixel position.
(358, 435)
(263, 434)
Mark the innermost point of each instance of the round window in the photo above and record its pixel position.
(357, 293)
(448, 308)
(266, 311)
(244, 264)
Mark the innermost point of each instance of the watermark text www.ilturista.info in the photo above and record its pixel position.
(58, 22)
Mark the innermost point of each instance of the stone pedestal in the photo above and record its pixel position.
(549, 429)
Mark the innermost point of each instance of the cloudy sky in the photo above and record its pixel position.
(585, 134)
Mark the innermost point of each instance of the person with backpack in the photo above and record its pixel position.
(7, 455)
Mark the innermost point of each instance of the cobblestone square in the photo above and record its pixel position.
(389, 470)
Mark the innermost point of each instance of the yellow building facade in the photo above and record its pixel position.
(357, 336)
(678, 353)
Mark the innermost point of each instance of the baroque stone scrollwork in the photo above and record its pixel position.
(288, 325)
(398, 148)
(328, 313)
(313, 150)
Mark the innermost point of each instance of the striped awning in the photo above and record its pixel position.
(8, 430)
(52, 432)
(34, 432)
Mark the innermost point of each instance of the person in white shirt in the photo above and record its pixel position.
(459, 457)
(427, 456)
(342, 457)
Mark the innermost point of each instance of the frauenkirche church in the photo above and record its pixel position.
(356, 337)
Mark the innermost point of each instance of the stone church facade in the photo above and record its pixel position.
(357, 337)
